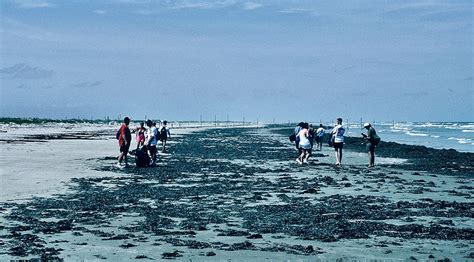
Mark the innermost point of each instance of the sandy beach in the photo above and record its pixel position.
(232, 194)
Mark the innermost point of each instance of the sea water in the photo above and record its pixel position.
(440, 135)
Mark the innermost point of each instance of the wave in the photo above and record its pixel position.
(462, 140)
(468, 131)
(415, 134)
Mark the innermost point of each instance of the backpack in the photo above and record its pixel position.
(292, 138)
(156, 134)
(117, 136)
(142, 159)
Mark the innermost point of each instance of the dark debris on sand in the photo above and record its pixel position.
(221, 191)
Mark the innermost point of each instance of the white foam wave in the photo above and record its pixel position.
(462, 140)
(468, 131)
(415, 134)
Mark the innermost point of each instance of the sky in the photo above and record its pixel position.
(282, 60)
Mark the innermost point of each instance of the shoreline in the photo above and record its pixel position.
(215, 197)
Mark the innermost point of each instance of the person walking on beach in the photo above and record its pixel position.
(164, 135)
(297, 139)
(338, 133)
(151, 141)
(304, 144)
(372, 141)
(311, 135)
(319, 137)
(140, 135)
(124, 138)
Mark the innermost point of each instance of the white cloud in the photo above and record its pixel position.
(203, 4)
(29, 4)
(100, 12)
(252, 5)
(296, 11)
(22, 30)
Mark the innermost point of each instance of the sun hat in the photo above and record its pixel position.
(366, 125)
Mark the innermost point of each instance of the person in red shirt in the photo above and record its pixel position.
(124, 137)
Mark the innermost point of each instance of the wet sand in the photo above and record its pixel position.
(237, 194)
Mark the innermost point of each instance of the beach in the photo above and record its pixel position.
(235, 194)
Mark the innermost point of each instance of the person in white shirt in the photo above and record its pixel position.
(305, 144)
(338, 134)
(319, 137)
(151, 140)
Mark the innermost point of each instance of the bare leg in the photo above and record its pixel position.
(371, 158)
(125, 159)
(120, 158)
(300, 157)
(340, 155)
(308, 154)
(164, 146)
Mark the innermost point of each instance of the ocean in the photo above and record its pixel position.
(439, 135)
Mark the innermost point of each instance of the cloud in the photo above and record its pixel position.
(433, 11)
(22, 30)
(100, 12)
(23, 86)
(30, 4)
(87, 84)
(24, 71)
(415, 94)
(203, 4)
(251, 5)
(296, 11)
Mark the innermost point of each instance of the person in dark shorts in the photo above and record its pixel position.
(372, 141)
(319, 137)
(338, 133)
(124, 137)
(164, 135)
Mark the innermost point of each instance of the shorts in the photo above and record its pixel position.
(338, 145)
(152, 149)
(124, 148)
(370, 147)
(140, 138)
(305, 146)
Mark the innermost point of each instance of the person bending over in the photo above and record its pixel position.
(372, 141)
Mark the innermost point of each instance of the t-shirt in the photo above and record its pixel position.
(338, 132)
(164, 133)
(125, 135)
(373, 135)
(320, 132)
(152, 134)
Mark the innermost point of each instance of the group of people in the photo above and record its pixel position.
(147, 142)
(304, 137)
